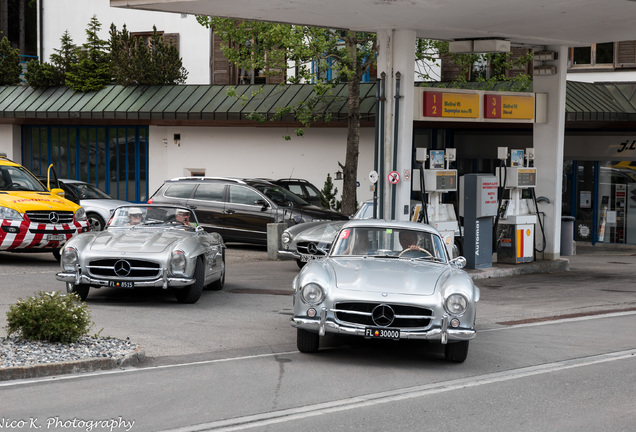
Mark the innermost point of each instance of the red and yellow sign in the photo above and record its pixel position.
(508, 107)
(447, 104)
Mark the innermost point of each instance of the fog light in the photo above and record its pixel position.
(311, 313)
(454, 323)
(11, 229)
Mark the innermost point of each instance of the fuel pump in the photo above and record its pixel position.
(515, 222)
(435, 180)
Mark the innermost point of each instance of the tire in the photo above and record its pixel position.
(57, 254)
(192, 293)
(219, 284)
(300, 263)
(306, 341)
(80, 290)
(456, 352)
(95, 222)
(458, 249)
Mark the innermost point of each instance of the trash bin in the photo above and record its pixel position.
(567, 235)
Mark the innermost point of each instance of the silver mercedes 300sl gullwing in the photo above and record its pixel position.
(386, 280)
(146, 245)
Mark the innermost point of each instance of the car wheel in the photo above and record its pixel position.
(300, 263)
(192, 293)
(95, 222)
(456, 352)
(306, 341)
(57, 255)
(219, 284)
(80, 290)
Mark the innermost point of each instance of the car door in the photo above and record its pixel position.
(247, 214)
(208, 204)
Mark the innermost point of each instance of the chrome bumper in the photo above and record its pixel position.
(288, 255)
(442, 334)
(160, 282)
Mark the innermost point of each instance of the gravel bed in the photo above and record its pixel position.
(15, 352)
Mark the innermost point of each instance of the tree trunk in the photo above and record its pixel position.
(350, 170)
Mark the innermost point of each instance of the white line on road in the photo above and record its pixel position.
(269, 418)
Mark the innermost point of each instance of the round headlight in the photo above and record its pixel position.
(312, 294)
(285, 237)
(69, 258)
(178, 262)
(456, 304)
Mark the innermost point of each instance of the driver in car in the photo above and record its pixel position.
(135, 216)
(183, 217)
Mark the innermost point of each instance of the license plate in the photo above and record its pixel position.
(381, 333)
(55, 237)
(307, 258)
(121, 284)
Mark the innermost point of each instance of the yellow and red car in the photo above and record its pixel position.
(33, 218)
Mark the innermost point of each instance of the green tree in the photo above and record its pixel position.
(92, 71)
(44, 75)
(329, 194)
(10, 68)
(321, 56)
(135, 60)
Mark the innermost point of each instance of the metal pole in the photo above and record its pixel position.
(396, 122)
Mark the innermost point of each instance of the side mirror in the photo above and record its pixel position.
(58, 192)
(261, 202)
(459, 262)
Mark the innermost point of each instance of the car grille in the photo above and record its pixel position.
(309, 248)
(47, 217)
(362, 314)
(138, 268)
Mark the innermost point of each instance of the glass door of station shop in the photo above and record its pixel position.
(603, 200)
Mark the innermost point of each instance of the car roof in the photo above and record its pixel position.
(203, 179)
(378, 223)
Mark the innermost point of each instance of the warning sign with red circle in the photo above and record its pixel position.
(394, 177)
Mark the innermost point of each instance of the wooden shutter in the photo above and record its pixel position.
(625, 54)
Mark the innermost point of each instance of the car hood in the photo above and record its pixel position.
(105, 204)
(398, 276)
(322, 232)
(34, 201)
(135, 240)
(310, 212)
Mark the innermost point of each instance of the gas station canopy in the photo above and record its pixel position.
(522, 22)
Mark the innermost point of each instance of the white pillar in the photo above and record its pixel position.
(548, 141)
(397, 54)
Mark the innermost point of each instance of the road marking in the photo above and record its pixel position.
(560, 321)
(270, 418)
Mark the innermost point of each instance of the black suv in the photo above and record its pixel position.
(303, 189)
(239, 210)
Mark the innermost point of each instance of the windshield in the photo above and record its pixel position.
(389, 242)
(87, 191)
(145, 216)
(17, 178)
(280, 196)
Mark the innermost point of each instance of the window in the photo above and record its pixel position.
(180, 190)
(595, 55)
(242, 195)
(210, 192)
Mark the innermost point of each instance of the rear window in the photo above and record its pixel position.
(180, 190)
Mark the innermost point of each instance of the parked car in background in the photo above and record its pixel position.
(386, 280)
(311, 241)
(34, 218)
(146, 246)
(303, 189)
(97, 203)
(239, 209)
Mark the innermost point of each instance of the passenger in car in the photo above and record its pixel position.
(183, 217)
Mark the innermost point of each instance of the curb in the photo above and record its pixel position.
(535, 267)
(72, 367)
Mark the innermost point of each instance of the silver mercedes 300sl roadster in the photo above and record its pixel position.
(386, 280)
(146, 246)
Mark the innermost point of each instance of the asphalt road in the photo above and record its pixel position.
(553, 352)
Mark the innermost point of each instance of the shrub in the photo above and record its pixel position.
(50, 317)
